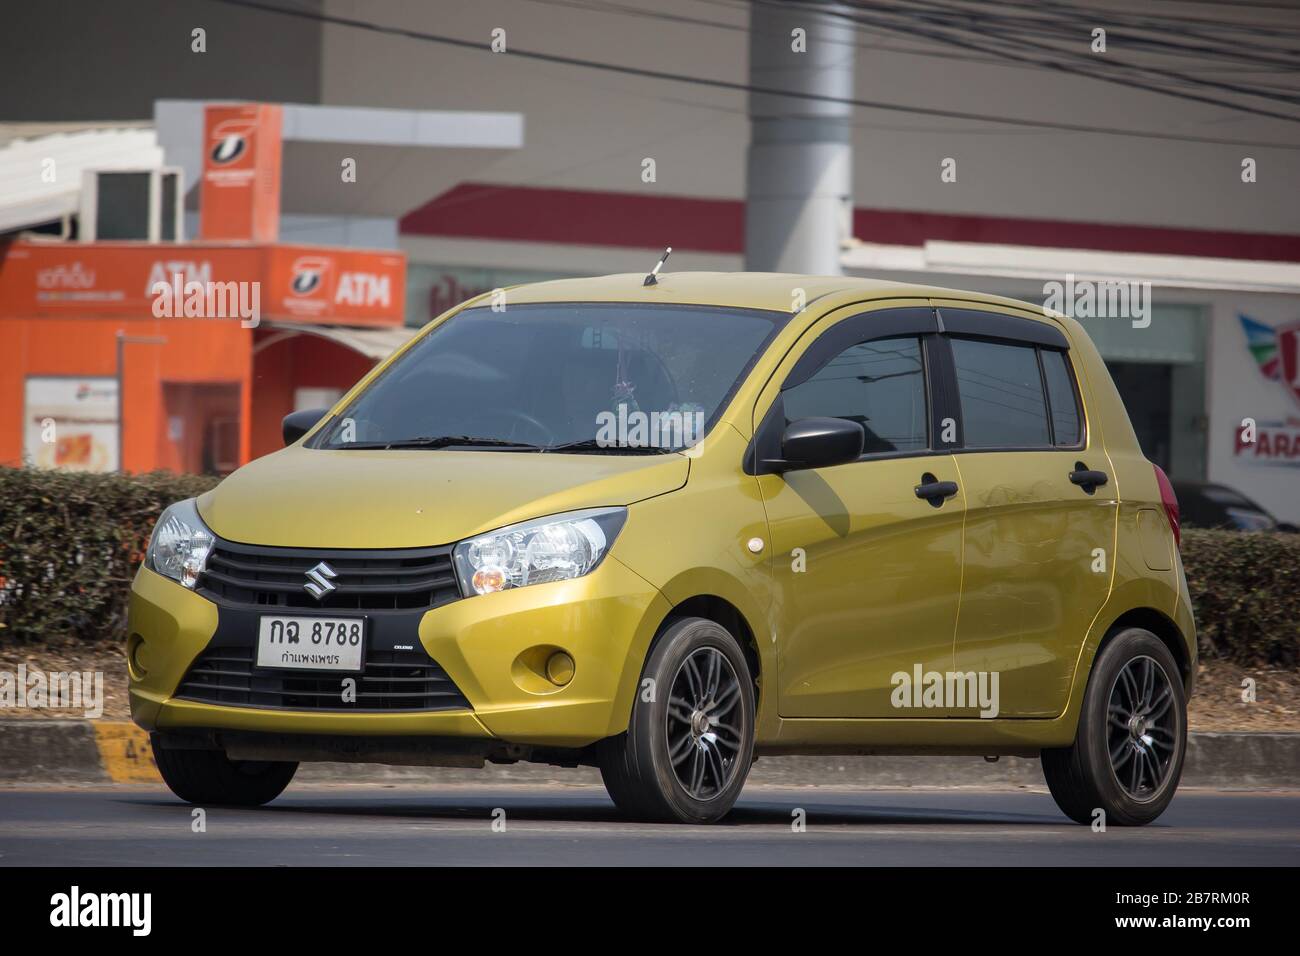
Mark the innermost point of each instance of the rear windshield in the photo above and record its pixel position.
(609, 376)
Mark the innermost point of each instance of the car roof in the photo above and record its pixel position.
(1201, 487)
(1195, 485)
(774, 291)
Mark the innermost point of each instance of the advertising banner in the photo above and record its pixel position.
(1271, 437)
(240, 190)
(1254, 439)
(304, 283)
(71, 423)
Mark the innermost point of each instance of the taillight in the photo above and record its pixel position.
(1170, 501)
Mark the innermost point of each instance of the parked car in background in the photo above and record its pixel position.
(1207, 505)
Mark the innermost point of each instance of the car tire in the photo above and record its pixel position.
(690, 740)
(210, 778)
(1128, 752)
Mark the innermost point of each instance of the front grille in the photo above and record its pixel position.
(396, 579)
(391, 680)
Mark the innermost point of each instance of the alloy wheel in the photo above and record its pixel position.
(1141, 727)
(704, 723)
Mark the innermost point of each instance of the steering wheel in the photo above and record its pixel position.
(517, 418)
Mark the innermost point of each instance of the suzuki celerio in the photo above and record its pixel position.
(667, 527)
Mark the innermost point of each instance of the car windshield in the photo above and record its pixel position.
(591, 378)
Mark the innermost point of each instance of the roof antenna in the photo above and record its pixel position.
(653, 277)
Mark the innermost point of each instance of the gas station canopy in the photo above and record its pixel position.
(394, 150)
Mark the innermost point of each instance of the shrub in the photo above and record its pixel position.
(70, 544)
(1245, 595)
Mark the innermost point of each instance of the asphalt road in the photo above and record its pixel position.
(386, 825)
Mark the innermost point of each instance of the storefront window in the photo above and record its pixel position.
(1160, 373)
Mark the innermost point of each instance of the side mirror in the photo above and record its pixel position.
(819, 443)
(297, 424)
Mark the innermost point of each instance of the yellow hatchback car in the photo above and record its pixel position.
(665, 526)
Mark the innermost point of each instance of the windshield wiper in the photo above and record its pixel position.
(595, 445)
(440, 441)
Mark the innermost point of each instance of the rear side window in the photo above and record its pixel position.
(1002, 399)
(1061, 396)
(879, 384)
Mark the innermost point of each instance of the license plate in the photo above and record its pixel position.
(311, 643)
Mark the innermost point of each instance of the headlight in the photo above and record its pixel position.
(180, 544)
(549, 549)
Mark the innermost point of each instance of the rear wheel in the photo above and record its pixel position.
(209, 777)
(690, 741)
(1127, 755)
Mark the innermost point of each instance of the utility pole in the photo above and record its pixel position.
(123, 340)
(799, 185)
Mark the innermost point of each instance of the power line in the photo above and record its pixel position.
(1067, 23)
(861, 18)
(1162, 23)
(1056, 11)
(1064, 29)
(742, 87)
(1072, 34)
(1243, 64)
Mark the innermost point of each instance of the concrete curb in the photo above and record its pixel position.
(55, 752)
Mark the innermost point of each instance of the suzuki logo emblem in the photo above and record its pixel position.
(318, 580)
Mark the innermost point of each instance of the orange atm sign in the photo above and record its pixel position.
(311, 283)
(307, 283)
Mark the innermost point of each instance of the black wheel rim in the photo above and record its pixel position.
(1142, 727)
(705, 723)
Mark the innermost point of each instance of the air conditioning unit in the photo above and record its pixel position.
(141, 204)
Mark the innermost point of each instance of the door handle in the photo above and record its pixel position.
(935, 491)
(1087, 478)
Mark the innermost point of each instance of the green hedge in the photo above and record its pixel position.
(1246, 594)
(70, 544)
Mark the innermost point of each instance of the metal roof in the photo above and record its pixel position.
(941, 258)
(40, 171)
(403, 157)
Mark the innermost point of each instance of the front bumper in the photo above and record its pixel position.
(493, 647)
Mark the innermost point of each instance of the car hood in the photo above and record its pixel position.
(314, 498)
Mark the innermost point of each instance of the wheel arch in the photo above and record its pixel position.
(1136, 603)
(722, 612)
(711, 607)
(1163, 627)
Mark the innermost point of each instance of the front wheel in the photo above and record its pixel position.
(1127, 755)
(210, 778)
(689, 744)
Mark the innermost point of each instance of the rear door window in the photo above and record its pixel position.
(1066, 431)
(1003, 404)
